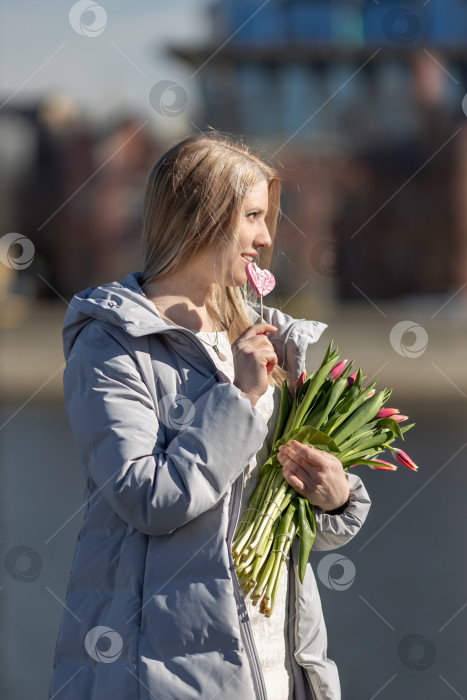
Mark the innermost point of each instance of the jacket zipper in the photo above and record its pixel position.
(234, 509)
(245, 627)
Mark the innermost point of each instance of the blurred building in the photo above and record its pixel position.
(360, 104)
(75, 191)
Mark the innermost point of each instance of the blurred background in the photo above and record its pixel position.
(361, 105)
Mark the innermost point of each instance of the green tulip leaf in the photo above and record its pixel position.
(392, 424)
(307, 534)
(308, 435)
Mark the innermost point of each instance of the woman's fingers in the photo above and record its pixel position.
(294, 481)
(298, 471)
(306, 453)
(258, 329)
(315, 474)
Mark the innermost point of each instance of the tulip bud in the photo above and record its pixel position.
(336, 371)
(387, 412)
(404, 459)
(372, 393)
(383, 466)
(301, 379)
(351, 378)
(400, 418)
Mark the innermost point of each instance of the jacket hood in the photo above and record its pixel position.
(122, 304)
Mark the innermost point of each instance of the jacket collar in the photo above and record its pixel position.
(123, 304)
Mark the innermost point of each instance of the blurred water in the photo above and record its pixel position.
(409, 561)
(411, 572)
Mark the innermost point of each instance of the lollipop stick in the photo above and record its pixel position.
(261, 307)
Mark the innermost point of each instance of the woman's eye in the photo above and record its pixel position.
(253, 213)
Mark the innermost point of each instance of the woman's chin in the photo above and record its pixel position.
(237, 283)
(237, 279)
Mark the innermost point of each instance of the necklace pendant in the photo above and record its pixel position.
(221, 355)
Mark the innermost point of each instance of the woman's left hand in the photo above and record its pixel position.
(315, 474)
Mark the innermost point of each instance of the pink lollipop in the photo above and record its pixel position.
(262, 282)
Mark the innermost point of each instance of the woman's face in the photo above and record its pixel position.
(253, 232)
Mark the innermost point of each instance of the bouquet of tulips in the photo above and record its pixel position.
(332, 412)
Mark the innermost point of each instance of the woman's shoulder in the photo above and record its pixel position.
(283, 321)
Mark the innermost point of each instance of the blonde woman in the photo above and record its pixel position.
(171, 387)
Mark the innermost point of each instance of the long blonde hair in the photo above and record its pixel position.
(193, 201)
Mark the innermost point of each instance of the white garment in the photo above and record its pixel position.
(269, 633)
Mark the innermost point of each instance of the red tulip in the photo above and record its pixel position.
(383, 466)
(400, 418)
(336, 371)
(301, 379)
(404, 459)
(351, 378)
(387, 412)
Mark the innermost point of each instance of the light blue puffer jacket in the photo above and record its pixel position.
(153, 607)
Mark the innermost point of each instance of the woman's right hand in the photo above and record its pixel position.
(254, 358)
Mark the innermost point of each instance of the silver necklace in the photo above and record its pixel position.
(215, 347)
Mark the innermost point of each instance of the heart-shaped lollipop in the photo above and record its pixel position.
(262, 281)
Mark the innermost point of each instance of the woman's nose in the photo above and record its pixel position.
(263, 238)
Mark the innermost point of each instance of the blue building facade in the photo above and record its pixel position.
(440, 23)
(309, 66)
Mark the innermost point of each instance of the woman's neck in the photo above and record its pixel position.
(181, 311)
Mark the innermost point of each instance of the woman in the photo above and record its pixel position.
(171, 386)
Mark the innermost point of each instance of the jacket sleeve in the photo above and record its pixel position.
(290, 345)
(333, 531)
(153, 486)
